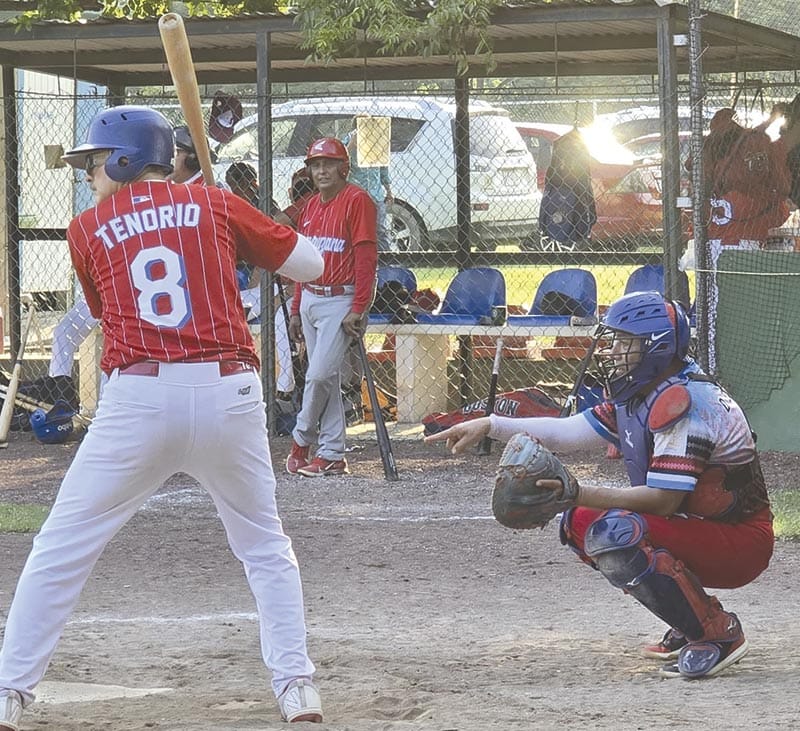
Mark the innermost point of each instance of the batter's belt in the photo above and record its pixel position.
(329, 290)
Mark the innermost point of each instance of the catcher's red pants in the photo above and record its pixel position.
(720, 555)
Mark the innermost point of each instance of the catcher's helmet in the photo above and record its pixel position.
(331, 148)
(54, 426)
(137, 137)
(640, 335)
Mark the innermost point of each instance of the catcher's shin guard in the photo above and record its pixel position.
(617, 543)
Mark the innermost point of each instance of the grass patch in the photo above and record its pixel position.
(15, 518)
(786, 507)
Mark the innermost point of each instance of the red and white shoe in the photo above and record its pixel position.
(319, 467)
(297, 458)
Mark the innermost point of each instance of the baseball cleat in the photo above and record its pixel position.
(10, 710)
(668, 647)
(297, 458)
(300, 701)
(706, 658)
(319, 467)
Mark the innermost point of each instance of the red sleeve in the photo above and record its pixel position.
(259, 239)
(365, 262)
(298, 293)
(76, 244)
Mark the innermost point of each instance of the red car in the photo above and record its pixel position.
(627, 192)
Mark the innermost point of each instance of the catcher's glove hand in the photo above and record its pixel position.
(517, 500)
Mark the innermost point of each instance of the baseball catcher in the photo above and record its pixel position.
(532, 486)
(696, 513)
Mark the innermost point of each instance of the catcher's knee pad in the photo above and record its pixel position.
(613, 541)
(617, 543)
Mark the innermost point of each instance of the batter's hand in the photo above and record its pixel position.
(462, 436)
(296, 329)
(355, 324)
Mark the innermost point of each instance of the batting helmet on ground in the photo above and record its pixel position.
(137, 137)
(54, 426)
(331, 148)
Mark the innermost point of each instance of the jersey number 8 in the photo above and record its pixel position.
(159, 277)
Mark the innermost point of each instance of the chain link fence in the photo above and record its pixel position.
(563, 215)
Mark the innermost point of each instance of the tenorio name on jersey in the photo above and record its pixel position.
(120, 229)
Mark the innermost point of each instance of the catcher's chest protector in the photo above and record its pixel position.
(635, 438)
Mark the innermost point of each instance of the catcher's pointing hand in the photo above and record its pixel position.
(532, 486)
(462, 436)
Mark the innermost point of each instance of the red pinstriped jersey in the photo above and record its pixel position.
(336, 226)
(157, 262)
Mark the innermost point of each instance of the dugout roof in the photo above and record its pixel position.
(558, 39)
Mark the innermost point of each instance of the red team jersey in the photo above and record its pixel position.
(336, 226)
(157, 262)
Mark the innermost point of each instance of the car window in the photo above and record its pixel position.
(403, 131)
(243, 146)
(493, 136)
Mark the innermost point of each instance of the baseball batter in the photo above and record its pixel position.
(330, 312)
(696, 513)
(157, 262)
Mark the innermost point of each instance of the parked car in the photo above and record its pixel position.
(626, 190)
(504, 196)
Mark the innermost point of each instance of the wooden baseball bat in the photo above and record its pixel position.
(31, 404)
(384, 444)
(485, 447)
(13, 385)
(184, 79)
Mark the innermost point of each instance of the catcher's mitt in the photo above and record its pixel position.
(516, 501)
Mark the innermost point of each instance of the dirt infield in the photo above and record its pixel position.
(423, 613)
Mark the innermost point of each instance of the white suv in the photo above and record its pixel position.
(504, 196)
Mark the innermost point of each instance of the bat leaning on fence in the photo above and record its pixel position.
(566, 410)
(485, 447)
(384, 443)
(13, 384)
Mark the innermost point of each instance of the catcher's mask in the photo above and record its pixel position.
(137, 138)
(639, 337)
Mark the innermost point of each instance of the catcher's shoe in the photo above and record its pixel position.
(10, 710)
(300, 701)
(705, 658)
(668, 647)
(297, 458)
(319, 467)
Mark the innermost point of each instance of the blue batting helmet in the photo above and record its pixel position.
(54, 426)
(640, 336)
(137, 137)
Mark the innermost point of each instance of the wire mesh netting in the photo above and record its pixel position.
(561, 214)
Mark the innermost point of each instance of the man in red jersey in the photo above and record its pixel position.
(328, 313)
(157, 262)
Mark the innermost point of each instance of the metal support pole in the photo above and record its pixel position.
(701, 254)
(670, 160)
(461, 145)
(12, 203)
(264, 100)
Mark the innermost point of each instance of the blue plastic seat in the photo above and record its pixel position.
(647, 278)
(392, 274)
(470, 298)
(572, 291)
(397, 274)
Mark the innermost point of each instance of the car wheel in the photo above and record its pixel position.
(406, 231)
